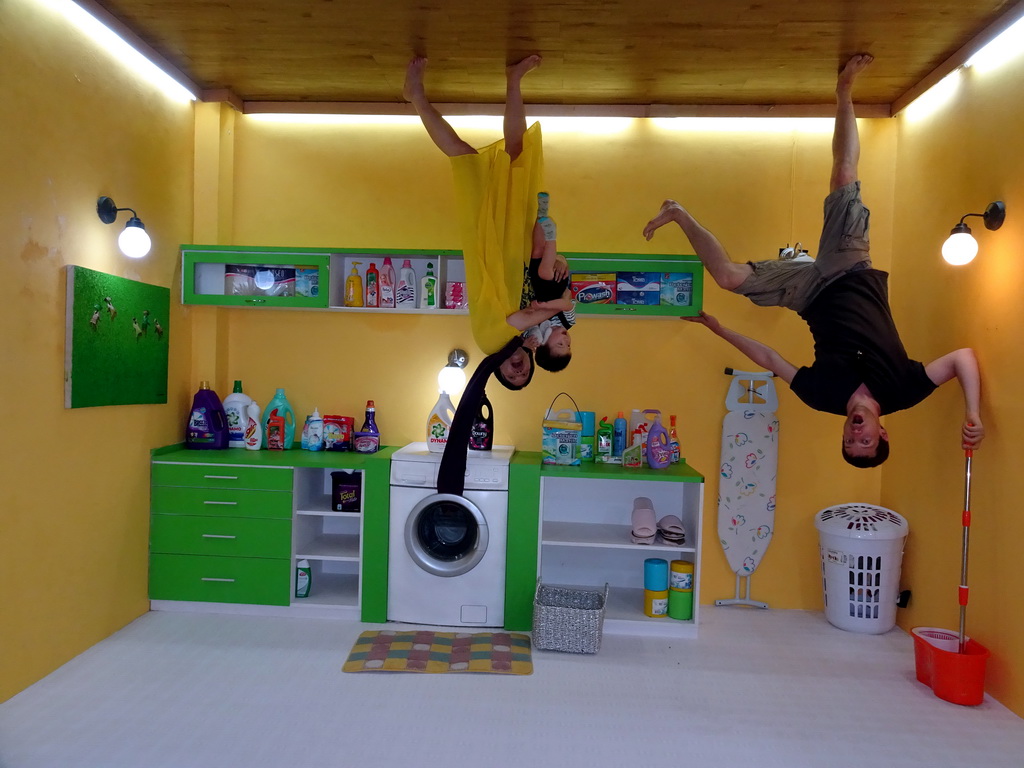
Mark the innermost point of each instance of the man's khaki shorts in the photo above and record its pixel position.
(843, 248)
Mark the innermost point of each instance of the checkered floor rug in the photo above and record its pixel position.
(503, 653)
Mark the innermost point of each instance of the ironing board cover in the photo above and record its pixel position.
(746, 488)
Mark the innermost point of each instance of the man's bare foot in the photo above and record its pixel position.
(520, 68)
(851, 69)
(413, 88)
(668, 212)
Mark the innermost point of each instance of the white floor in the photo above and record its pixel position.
(758, 688)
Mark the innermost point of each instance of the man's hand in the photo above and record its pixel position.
(668, 212)
(708, 321)
(560, 269)
(973, 432)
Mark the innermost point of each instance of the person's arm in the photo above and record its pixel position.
(963, 365)
(760, 353)
(537, 312)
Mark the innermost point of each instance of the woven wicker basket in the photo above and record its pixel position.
(568, 619)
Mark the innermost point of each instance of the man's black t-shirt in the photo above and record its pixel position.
(856, 342)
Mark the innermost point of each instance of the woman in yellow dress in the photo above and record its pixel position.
(496, 190)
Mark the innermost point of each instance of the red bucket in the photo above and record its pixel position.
(953, 676)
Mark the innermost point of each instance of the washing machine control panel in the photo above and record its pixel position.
(486, 478)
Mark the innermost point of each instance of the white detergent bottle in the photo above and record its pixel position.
(234, 411)
(439, 423)
(253, 435)
(315, 435)
(405, 295)
(387, 285)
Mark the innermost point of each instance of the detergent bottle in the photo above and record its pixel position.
(405, 295)
(207, 425)
(619, 435)
(372, 286)
(481, 433)
(253, 431)
(673, 439)
(387, 285)
(367, 440)
(354, 287)
(279, 408)
(234, 411)
(605, 438)
(428, 289)
(659, 451)
(315, 432)
(439, 423)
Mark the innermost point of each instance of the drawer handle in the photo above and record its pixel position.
(220, 477)
(218, 536)
(224, 503)
(210, 578)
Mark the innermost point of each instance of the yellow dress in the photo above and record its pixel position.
(497, 204)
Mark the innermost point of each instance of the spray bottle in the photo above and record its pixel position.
(354, 287)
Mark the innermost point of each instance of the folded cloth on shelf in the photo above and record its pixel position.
(645, 526)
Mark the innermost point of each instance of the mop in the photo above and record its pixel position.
(746, 486)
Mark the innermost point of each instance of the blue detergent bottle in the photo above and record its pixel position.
(279, 406)
(619, 435)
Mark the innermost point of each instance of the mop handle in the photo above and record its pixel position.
(964, 591)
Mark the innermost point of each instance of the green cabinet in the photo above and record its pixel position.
(254, 277)
(636, 285)
(220, 533)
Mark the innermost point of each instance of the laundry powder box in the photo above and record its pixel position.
(560, 441)
(638, 288)
(593, 288)
(676, 289)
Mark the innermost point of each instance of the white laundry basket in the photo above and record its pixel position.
(861, 556)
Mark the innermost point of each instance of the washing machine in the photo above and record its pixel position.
(447, 554)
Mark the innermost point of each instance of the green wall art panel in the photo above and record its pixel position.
(115, 350)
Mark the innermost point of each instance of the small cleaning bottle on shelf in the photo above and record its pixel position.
(673, 439)
(315, 432)
(354, 287)
(367, 440)
(372, 286)
(428, 289)
(405, 295)
(387, 284)
(253, 429)
(439, 423)
(234, 411)
(605, 435)
(619, 435)
(303, 578)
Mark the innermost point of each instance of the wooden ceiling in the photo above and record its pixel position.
(596, 52)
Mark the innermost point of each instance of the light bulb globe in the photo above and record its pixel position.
(451, 379)
(134, 241)
(960, 248)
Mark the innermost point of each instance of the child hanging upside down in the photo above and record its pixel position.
(496, 191)
(549, 275)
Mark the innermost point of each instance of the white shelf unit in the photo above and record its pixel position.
(585, 542)
(330, 540)
(446, 268)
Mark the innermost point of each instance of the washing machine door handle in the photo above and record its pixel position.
(446, 535)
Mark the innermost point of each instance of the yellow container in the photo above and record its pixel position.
(680, 575)
(656, 603)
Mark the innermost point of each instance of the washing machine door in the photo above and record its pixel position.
(446, 535)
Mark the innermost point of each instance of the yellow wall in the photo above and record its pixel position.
(374, 187)
(74, 530)
(956, 162)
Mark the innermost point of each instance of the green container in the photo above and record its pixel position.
(680, 604)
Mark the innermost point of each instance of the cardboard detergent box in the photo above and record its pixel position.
(593, 288)
(677, 289)
(638, 288)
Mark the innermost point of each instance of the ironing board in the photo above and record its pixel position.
(746, 486)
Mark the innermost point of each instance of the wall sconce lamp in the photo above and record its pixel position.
(452, 378)
(133, 241)
(961, 247)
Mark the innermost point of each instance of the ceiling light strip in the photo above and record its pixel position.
(958, 59)
(560, 110)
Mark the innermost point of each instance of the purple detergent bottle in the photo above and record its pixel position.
(659, 447)
(207, 425)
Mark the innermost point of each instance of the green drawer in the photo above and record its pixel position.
(220, 579)
(225, 536)
(214, 501)
(220, 476)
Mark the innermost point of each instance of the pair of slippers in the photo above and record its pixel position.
(646, 526)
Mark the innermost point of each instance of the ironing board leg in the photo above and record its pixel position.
(737, 600)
